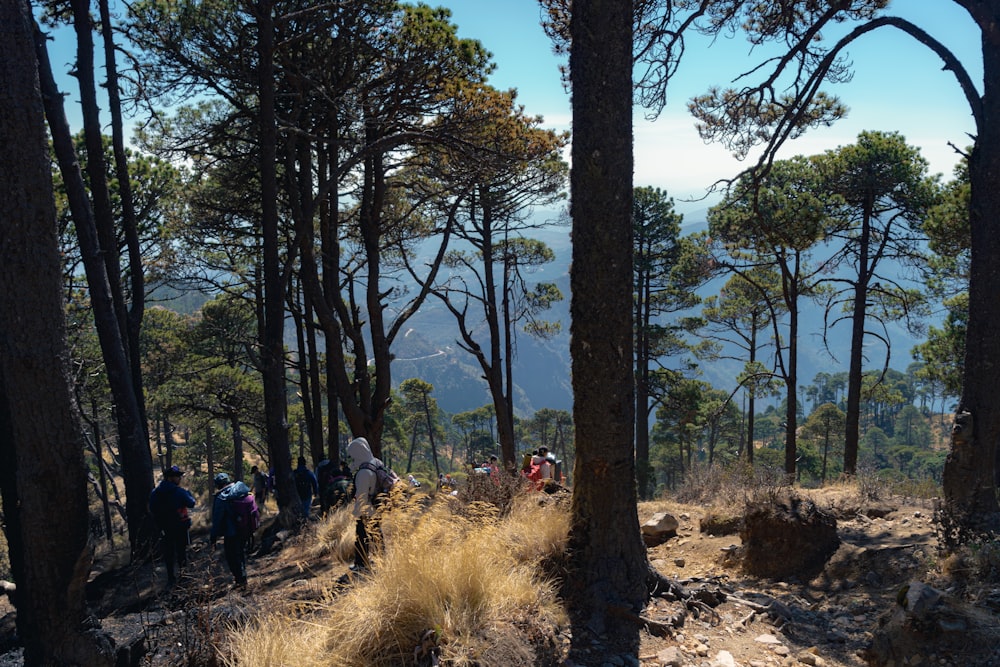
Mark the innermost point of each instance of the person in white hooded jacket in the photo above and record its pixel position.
(365, 490)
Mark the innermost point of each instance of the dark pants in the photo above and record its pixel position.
(368, 537)
(173, 543)
(236, 557)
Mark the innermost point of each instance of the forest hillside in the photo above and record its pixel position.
(474, 578)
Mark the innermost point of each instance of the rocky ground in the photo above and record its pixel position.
(827, 620)
(736, 619)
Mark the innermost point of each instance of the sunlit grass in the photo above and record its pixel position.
(458, 580)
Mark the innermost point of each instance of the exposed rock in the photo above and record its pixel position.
(925, 621)
(660, 528)
(788, 537)
(720, 524)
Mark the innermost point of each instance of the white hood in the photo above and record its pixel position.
(359, 452)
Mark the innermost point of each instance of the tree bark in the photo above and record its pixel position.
(41, 436)
(969, 482)
(272, 339)
(137, 463)
(607, 557)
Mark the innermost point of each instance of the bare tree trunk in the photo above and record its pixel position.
(608, 562)
(137, 461)
(41, 439)
(129, 223)
(430, 433)
(106, 506)
(272, 339)
(210, 453)
(237, 446)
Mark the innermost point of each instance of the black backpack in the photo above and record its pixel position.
(303, 484)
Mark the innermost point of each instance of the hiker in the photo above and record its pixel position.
(367, 498)
(224, 526)
(169, 504)
(306, 485)
(544, 462)
(259, 486)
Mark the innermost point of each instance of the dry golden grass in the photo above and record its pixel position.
(460, 581)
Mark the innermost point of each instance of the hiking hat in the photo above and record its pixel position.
(173, 471)
(221, 480)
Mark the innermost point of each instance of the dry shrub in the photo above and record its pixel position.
(500, 490)
(871, 485)
(978, 560)
(462, 584)
(276, 639)
(333, 535)
(731, 486)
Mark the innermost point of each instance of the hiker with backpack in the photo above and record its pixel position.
(234, 518)
(334, 485)
(169, 504)
(306, 485)
(372, 484)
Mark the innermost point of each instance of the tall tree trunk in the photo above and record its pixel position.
(330, 249)
(237, 427)
(41, 439)
(430, 433)
(168, 442)
(272, 340)
(607, 558)
(969, 473)
(137, 462)
(791, 381)
(752, 399)
(130, 225)
(316, 444)
(210, 453)
(854, 376)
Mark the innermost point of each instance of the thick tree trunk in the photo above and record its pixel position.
(41, 440)
(608, 560)
(969, 472)
(137, 461)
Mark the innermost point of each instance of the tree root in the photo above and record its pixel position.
(655, 628)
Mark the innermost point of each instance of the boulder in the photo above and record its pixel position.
(788, 536)
(926, 622)
(660, 528)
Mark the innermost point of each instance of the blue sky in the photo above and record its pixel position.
(898, 86)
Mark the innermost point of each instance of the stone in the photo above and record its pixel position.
(670, 657)
(724, 659)
(660, 528)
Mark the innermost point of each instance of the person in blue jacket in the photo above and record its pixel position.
(224, 526)
(169, 504)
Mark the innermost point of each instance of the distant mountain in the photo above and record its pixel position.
(542, 368)
(428, 347)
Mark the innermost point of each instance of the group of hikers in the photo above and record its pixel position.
(236, 509)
